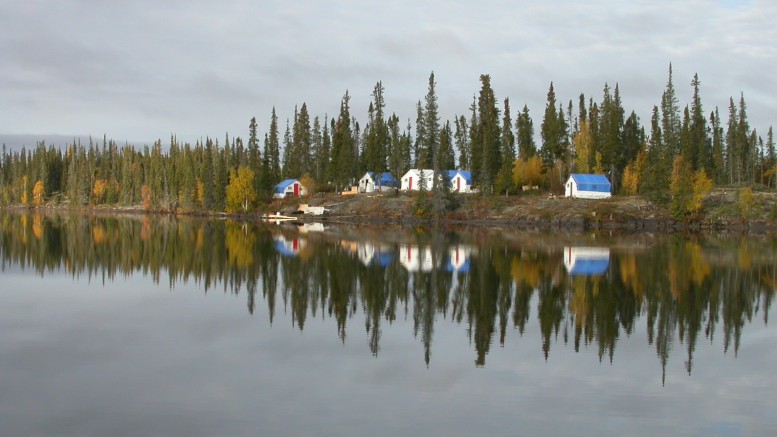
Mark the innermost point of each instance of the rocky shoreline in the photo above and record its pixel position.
(528, 212)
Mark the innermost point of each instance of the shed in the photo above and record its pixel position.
(372, 181)
(588, 186)
(289, 187)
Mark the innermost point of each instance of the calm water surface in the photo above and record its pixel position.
(156, 326)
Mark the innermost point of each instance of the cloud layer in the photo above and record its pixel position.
(141, 70)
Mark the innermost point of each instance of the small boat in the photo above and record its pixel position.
(278, 217)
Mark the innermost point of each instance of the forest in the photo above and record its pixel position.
(681, 154)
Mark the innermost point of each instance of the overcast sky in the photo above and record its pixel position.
(142, 70)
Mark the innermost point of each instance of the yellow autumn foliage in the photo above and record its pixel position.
(38, 194)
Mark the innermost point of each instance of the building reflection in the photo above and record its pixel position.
(586, 261)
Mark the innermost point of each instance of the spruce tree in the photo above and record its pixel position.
(462, 142)
(670, 121)
(431, 125)
(525, 128)
(504, 182)
(489, 135)
(699, 152)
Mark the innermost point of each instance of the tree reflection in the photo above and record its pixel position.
(679, 287)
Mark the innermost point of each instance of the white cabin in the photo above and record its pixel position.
(588, 186)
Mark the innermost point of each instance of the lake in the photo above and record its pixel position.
(152, 325)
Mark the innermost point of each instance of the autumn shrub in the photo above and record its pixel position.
(745, 202)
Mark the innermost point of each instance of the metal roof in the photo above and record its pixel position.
(283, 185)
(591, 182)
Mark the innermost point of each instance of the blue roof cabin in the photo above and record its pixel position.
(588, 186)
(289, 187)
(372, 181)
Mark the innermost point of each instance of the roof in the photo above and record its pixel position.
(280, 188)
(466, 174)
(385, 178)
(591, 182)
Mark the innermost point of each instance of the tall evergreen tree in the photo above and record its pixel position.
(447, 158)
(698, 150)
(419, 154)
(462, 142)
(342, 168)
(376, 141)
(718, 158)
(525, 128)
(488, 135)
(504, 180)
(733, 152)
(290, 166)
(254, 158)
(303, 141)
(670, 113)
(431, 138)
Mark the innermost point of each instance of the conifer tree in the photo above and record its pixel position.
(670, 117)
(717, 166)
(254, 157)
(488, 135)
(698, 150)
(462, 142)
(419, 154)
(289, 166)
(447, 160)
(376, 141)
(475, 149)
(431, 138)
(342, 167)
(525, 128)
(303, 142)
(504, 181)
(733, 153)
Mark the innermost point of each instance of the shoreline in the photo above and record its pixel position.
(530, 213)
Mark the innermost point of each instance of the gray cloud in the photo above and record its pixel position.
(142, 69)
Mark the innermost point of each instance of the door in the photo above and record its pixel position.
(411, 184)
(296, 189)
(458, 186)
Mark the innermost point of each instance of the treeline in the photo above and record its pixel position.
(684, 153)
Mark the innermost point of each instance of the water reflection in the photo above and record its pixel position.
(580, 290)
(586, 261)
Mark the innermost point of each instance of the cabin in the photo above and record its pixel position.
(588, 186)
(461, 181)
(411, 180)
(289, 187)
(372, 181)
(586, 261)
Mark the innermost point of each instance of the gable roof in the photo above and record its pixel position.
(281, 187)
(466, 174)
(591, 182)
(385, 179)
